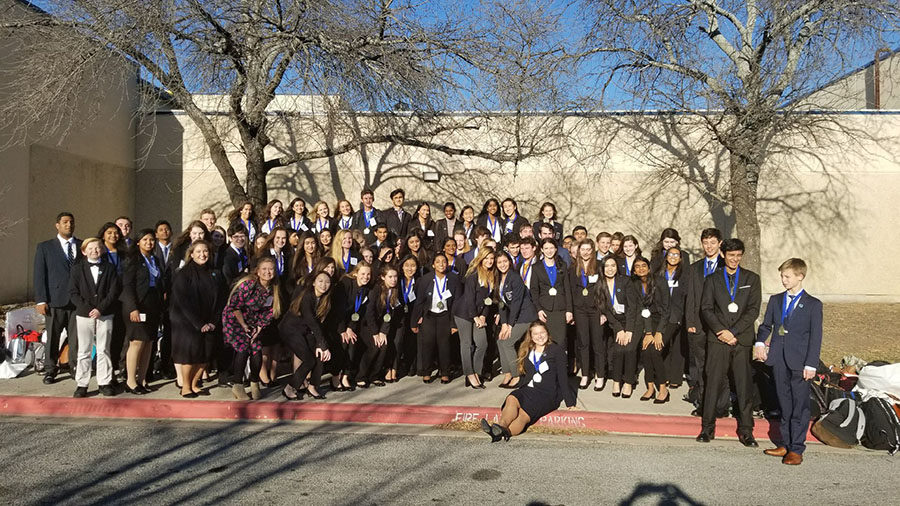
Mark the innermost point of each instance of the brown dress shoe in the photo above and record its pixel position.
(776, 452)
(792, 459)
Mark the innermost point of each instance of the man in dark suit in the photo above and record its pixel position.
(53, 261)
(396, 218)
(367, 218)
(236, 261)
(730, 306)
(124, 224)
(794, 322)
(711, 263)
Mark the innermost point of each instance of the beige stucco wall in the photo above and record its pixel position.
(90, 172)
(843, 232)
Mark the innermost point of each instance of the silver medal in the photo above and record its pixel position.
(387, 318)
(645, 313)
(488, 301)
(584, 292)
(366, 231)
(552, 292)
(354, 317)
(732, 308)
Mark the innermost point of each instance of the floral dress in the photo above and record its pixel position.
(255, 303)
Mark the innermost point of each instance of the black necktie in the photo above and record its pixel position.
(71, 254)
(243, 259)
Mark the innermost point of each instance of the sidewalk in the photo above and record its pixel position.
(409, 401)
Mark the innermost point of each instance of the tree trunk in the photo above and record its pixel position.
(257, 189)
(744, 176)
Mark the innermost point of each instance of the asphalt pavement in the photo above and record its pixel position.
(84, 462)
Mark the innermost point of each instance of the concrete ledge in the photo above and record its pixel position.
(617, 423)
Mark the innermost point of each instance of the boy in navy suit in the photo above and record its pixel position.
(794, 321)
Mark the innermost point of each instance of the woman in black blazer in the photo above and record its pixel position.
(302, 332)
(628, 253)
(677, 298)
(648, 324)
(413, 245)
(542, 367)
(352, 301)
(195, 307)
(619, 308)
(424, 227)
(584, 274)
(278, 249)
(668, 238)
(548, 215)
(143, 289)
(402, 352)
(295, 216)
(473, 314)
(94, 288)
(515, 313)
(436, 292)
(551, 293)
(382, 322)
(512, 220)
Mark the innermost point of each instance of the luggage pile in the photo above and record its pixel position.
(860, 405)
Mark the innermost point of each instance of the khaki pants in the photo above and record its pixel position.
(94, 332)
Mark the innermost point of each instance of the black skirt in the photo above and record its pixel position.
(146, 331)
(534, 402)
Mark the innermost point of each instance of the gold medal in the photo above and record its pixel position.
(781, 331)
(387, 318)
(440, 305)
(488, 301)
(354, 317)
(584, 292)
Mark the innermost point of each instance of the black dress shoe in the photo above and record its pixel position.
(705, 437)
(584, 387)
(204, 393)
(191, 395)
(80, 393)
(616, 394)
(489, 430)
(427, 379)
(663, 400)
(504, 432)
(318, 396)
(107, 390)
(138, 390)
(362, 384)
(379, 383)
(49, 379)
(749, 441)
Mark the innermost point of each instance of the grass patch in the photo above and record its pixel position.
(534, 429)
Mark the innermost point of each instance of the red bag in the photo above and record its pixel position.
(29, 336)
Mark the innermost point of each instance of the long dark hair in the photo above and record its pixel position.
(300, 267)
(651, 282)
(309, 290)
(395, 293)
(667, 233)
(601, 291)
(120, 242)
(484, 208)
(185, 236)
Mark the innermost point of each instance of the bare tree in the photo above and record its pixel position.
(409, 62)
(745, 70)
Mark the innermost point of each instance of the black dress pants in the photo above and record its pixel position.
(720, 359)
(304, 347)
(434, 336)
(59, 318)
(589, 335)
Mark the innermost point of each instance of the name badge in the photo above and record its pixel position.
(269, 300)
(412, 296)
(353, 261)
(372, 221)
(430, 233)
(303, 227)
(673, 283)
(593, 279)
(619, 308)
(447, 294)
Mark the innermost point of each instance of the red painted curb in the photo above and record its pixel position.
(621, 423)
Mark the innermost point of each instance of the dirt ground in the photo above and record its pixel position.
(867, 330)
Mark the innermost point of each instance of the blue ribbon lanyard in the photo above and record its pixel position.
(319, 224)
(387, 303)
(732, 289)
(551, 272)
(347, 263)
(627, 269)
(492, 227)
(612, 295)
(279, 262)
(537, 363)
(406, 290)
(269, 223)
(359, 297)
(345, 223)
(584, 281)
(666, 271)
(368, 217)
(440, 291)
(643, 289)
(786, 308)
(511, 220)
(154, 271)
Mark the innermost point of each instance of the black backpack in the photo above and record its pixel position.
(842, 426)
(823, 394)
(882, 426)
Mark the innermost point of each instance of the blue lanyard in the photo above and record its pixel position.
(787, 308)
(279, 262)
(512, 219)
(243, 256)
(347, 263)
(537, 363)
(584, 282)
(359, 297)
(612, 295)
(666, 271)
(249, 227)
(643, 289)
(321, 224)
(368, 215)
(345, 223)
(551, 272)
(437, 286)
(387, 302)
(627, 269)
(151, 266)
(269, 223)
(732, 289)
(407, 290)
(492, 226)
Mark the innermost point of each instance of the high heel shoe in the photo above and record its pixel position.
(584, 386)
(190, 395)
(504, 432)
(427, 379)
(663, 400)
(648, 397)
(601, 387)
(318, 396)
(297, 396)
(379, 383)
(138, 390)
(489, 430)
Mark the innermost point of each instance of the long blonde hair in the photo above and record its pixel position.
(337, 251)
(528, 344)
(254, 277)
(486, 277)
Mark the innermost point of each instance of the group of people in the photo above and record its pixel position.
(369, 296)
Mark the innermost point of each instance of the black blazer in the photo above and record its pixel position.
(692, 312)
(198, 296)
(358, 222)
(513, 226)
(540, 288)
(428, 241)
(675, 303)
(471, 303)
(647, 323)
(555, 383)
(136, 295)
(425, 290)
(336, 224)
(623, 267)
(715, 301)
(557, 230)
(396, 225)
(625, 294)
(374, 320)
(580, 302)
(483, 220)
(231, 265)
(459, 265)
(442, 232)
(52, 272)
(162, 260)
(516, 306)
(343, 301)
(298, 226)
(304, 324)
(87, 295)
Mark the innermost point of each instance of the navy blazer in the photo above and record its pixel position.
(540, 288)
(802, 342)
(715, 301)
(625, 294)
(471, 303)
(51, 272)
(136, 284)
(516, 306)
